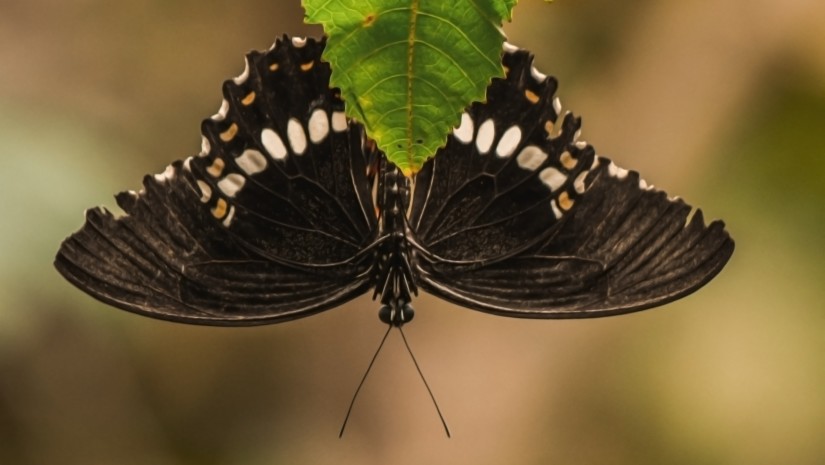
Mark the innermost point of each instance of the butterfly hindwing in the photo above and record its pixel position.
(557, 232)
(268, 223)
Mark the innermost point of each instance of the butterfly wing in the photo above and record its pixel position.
(270, 222)
(517, 217)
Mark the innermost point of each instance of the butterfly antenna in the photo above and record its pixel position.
(440, 416)
(358, 389)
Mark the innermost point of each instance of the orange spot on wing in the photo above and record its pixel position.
(568, 161)
(229, 134)
(250, 97)
(220, 209)
(216, 168)
(565, 202)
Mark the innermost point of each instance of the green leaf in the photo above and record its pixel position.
(407, 68)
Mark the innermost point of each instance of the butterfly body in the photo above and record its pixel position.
(290, 210)
(395, 281)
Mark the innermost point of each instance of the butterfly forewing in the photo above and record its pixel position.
(481, 198)
(268, 223)
(540, 226)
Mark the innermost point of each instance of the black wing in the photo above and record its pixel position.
(270, 222)
(517, 217)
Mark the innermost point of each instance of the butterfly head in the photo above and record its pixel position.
(397, 313)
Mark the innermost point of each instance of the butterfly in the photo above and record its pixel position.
(290, 210)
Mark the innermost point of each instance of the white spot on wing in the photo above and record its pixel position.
(464, 132)
(244, 75)
(615, 171)
(296, 135)
(221, 114)
(251, 161)
(556, 211)
(537, 75)
(484, 138)
(228, 220)
(578, 183)
(557, 105)
(339, 121)
(206, 191)
(187, 164)
(508, 142)
(318, 126)
(299, 42)
(509, 48)
(553, 178)
(531, 157)
(167, 174)
(581, 145)
(273, 144)
(205, 146)
(231, 184)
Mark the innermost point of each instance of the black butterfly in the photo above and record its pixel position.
(290, 210)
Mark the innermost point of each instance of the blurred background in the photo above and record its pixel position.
(722, 103)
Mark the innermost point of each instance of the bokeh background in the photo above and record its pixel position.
(722, 103)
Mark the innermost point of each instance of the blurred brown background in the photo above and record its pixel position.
(720, 102)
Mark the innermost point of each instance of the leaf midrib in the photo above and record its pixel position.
(414, 10)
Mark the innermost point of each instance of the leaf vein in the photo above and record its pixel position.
(464, 36)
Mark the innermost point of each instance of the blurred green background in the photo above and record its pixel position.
(722, 103)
